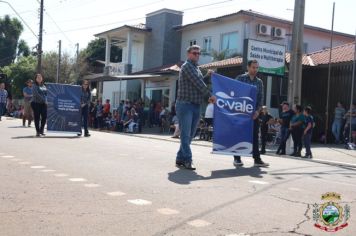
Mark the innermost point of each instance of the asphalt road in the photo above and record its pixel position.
(112, 184)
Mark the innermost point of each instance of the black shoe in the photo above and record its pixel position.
(260, 163)
(293, 154)
(282, 153)
(42, 134)
(263, 152)
(307, 156)
(189, 166)
(87, 135)
(298, 154)
(38, 135)
(238, 162)
(79, 135)
(179, 164)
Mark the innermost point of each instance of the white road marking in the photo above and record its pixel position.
(258, 182)
(61, 175)
(116, 194)
(198, 223)
(167, 211)
(24, 163)
(240, 234)
(7, 157)
(77, 180)
(37, 167)
(140, 202)
(47, 170)
(91, 185)
(295, 189)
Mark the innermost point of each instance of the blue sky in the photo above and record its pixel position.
(78, 20)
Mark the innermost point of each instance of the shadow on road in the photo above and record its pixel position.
(52, 137)
(184, 177)
(19, 126)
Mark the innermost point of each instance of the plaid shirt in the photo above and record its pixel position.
(3, 96)
(191, 86)
(258, 84)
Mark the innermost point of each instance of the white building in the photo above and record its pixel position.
(227, 33)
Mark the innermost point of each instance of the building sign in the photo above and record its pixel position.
(270, 56)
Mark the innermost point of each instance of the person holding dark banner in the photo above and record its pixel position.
(251, 78)
(39, 104)
(84, 104)
(192, 91)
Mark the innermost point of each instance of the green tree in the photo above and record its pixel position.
(10, 31)
(96, 51)
(49, 68)
(23, 49)
(19, 72)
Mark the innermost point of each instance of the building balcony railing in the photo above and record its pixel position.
(115, 69)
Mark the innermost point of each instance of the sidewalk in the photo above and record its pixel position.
(328, 154)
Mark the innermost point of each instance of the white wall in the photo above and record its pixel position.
(111, 87)
(136, 57)
(215, 31)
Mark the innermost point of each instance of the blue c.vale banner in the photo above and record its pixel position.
(233, 112)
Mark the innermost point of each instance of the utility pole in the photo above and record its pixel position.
(352, 87)
(329, 75)
(295, 69)
(39, 46)
(77, 62)
(59, 60)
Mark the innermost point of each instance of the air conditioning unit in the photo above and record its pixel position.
(278, 33)
(263, 29)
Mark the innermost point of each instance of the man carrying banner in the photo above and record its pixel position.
(251, 78)
(192, 91)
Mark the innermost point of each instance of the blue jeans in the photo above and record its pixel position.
(2, 109)
(307, 143)
(85, 114)
(284, 137)
(336, 129)
(188, 116)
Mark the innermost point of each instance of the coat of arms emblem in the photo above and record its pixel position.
(330, 216)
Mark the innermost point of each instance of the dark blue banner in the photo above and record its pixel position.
(64, 108)
(233, 112)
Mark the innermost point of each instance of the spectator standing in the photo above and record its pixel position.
(296, 129)
(3, 99)
(265, 120)
(284, 120)
(309, 124)
(209, 113)
(99, 114)
(28, 113)
(339, 114)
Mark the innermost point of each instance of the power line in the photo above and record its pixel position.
(96, 26)
(59, 28)
(20, 17)
(207, 5)
(114, 12)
